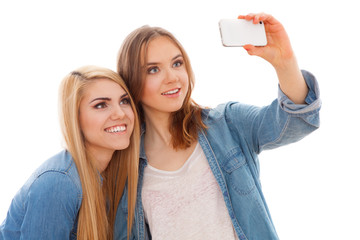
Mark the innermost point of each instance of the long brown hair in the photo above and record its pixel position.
(184, 123)
(100, 199)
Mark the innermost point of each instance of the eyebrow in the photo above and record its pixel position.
(124, 95)
(100, 98)
(155, 63)
(107, 98)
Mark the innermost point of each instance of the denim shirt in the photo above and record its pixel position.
(47, 205)
(236, 134)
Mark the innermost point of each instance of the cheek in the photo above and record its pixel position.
(185, 80)
(89, 124)
(131, 116)
(150, 89)
(83, 121)
(85, 125)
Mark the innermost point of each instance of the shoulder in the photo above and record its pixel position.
(56, 178)
(228, 110)
(60, 162)
(52, 194)
(54, 185)
(54, 188)
(60, 165)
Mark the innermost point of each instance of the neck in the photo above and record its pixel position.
(101, 158)
(157, 130)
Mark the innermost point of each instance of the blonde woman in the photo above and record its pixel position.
(199, 167)
(76, 193)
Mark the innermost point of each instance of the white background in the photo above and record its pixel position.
(311, 187)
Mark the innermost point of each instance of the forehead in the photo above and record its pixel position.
(161, 47)
(103, 87)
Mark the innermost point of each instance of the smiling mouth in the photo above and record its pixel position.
(174, 91)
(116, 129)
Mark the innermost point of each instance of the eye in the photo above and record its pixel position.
(125, 101)
(100, 105)
(178, 63)
(153, 70)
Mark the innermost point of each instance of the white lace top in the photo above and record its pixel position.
(186, 203)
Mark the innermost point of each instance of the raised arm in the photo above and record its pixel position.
(278, 52)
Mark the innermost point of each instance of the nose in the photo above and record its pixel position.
(117, 113)
(171, 76)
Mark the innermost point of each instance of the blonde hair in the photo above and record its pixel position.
(184, 123)
(100, 197)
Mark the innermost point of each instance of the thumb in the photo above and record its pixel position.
(252, 50)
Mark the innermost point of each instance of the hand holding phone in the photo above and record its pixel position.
(240, 32)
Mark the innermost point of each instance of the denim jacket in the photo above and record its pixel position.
(236, 134)
(46, 207)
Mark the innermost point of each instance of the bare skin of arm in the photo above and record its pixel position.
(279, 53)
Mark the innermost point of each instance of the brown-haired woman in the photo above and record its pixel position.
(199, 168)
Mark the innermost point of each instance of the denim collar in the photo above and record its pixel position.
(142, 147)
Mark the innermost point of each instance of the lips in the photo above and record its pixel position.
(116, 129)
(171, 92)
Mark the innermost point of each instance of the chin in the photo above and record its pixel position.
(122, 146)
(175, 108)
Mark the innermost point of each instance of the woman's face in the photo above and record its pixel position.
(166, 78)
(106, 118)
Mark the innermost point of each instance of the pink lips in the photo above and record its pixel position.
(172, 93)
(116, 129)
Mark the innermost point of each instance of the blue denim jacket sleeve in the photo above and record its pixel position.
(50, 207)
(280, 123)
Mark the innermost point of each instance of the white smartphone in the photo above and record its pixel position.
(239, 32)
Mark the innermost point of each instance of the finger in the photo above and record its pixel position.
(253, 50)
(250, 16)
(256, 18)
(268, 18)
(260, 17)
(249, 48)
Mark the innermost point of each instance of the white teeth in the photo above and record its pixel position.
(171, 92)
(116, 129)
